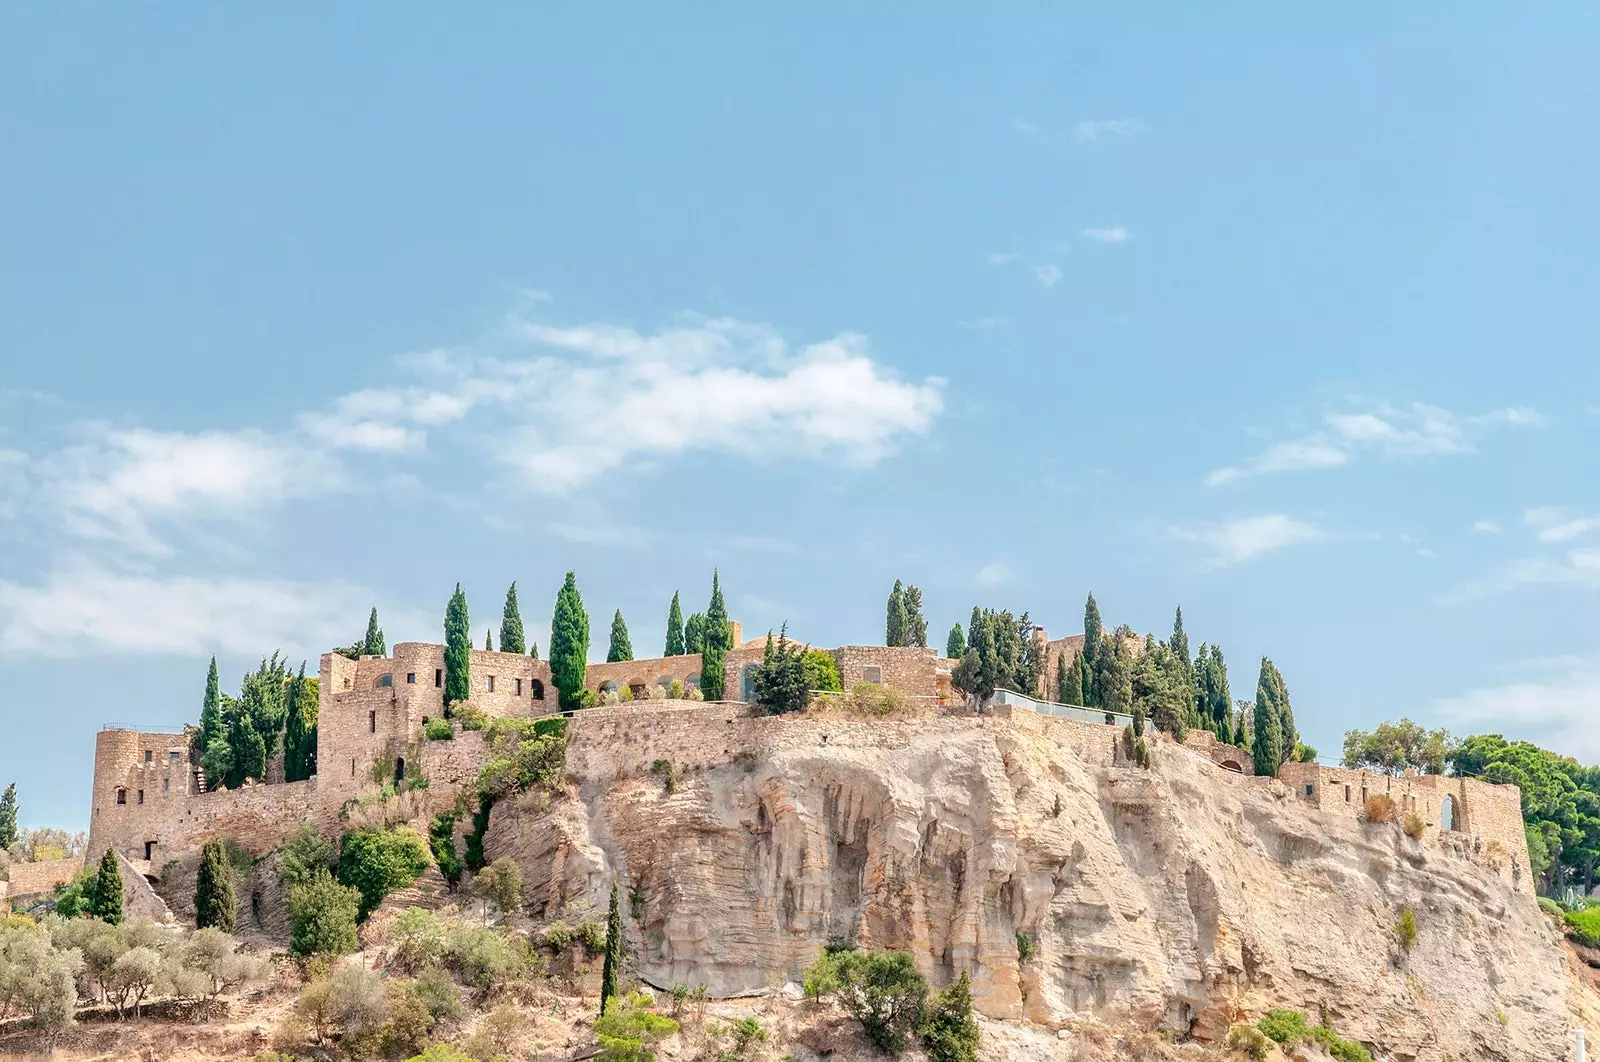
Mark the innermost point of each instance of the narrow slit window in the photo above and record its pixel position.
(372, 722)
(519, 687)
(438, 677)
(141, 796)
(490, 688)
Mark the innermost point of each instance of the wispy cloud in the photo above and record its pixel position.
(1576, 567)
(982, 324)
(1232, 543)
(1112, 235)
(83, 608)
(1048, 275)
(1000, 258)
(1092, 130)
(600, 534)
(1418, 431)
(1549, 701)
(1486, 527)
(1556, 524)
(993, 574)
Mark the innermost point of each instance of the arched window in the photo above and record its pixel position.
(537, 688)
(122, 795)
(385, 681)
(608, 686)
(747, 682)
(400, 769)
(1447, 814)
(664, 681)
(693, 680)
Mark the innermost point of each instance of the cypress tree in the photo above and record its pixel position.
(8, 816)
(511, 636)
(457, 652)
(300, 733)
(569, 644)
(533, 650)
(373, 644)
(894, 627)
(1266, 744)
(955, 646)
(1278, 693)
(718, 640)
(1093, 632)
(488, 640)
(211, 710)
(1061, 679)
(214, 904)
(620, 648)
(916, 628)
(675, 645)
(105, 890)
(612, 968)
(1179, 642)
(694, 633)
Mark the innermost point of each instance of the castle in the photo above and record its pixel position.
(150, 802)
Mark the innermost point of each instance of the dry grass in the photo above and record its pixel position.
(1381, 808)
(1414, 826)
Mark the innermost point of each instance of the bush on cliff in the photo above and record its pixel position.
(377, 862)
(214, 904)
(881, 989)
(322, 916)
(305, 854)
(951, 1033)
(1583, 926)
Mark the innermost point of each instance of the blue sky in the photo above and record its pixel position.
(1288, 317)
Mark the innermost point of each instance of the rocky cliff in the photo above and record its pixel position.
(1180, 897)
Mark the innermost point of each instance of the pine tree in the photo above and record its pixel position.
(373, 644)
(916, 629)
(718, 640)
(894, 627)
(675, 628)
(511, 636)
(955, 646)
(1266, 743)
(950, 1033)
(1093, 647)
(780, 680)
(211, 727)
(621, 648)
(214, 904)
(300, 732)
(611, 971)
(8, 817)
(694, 633)
(457, 652)
(569, 644)
(1179, 642)
(105, 890)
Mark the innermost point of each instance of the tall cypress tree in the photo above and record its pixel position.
(488, 640)
(105, 890)
(1266, 744)
(373, 643)
(214, 903)
(211, 709)
(8, 816)
(694, 633)
(675, 628)
(1278, 695)
(1179, 642)
(620, 648)
(955, 646)
(916, 628)
(894, 626)
(511, 636)
(457, 652)
(612, 968)
(1093, 633)
(569, 644)
(300, 732)
(533, 650)
(718, 640)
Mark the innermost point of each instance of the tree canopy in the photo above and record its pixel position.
(569, 644)
(1392, 748)
(512, 639)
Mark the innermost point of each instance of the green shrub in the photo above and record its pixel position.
(472, 717)
(592, 935)
(480, 826)
(1583, 927)
(1414, 826)
(1249, 1041)
(438, 730)
(1405, 930)
(1287, 1027)
(481, 958)
(416, 940)
(438, 993)
(628, 1029)
(304, 854)
(442, 1053)
(378, 862)
(523, 762)
(322, 916)
(881, 989)
(557, 937)
(1551, 907)
(550, 726)
(1340, 1048)
(1025, 946)
(442, 843)
(822, 671)
(950, 1033)
(409, 1023)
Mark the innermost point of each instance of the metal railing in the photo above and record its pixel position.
(1061, 711)
(145, 729)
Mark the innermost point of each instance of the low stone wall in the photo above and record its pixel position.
(1231, 757)
(39, 879)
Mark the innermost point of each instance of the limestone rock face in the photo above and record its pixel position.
(1182, 897)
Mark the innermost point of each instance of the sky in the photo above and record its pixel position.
(1287, 316)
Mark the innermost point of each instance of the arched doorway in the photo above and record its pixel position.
(1449, 815)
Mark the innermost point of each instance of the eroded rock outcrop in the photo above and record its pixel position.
(1182, 897)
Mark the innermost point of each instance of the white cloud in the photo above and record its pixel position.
(1027, 128)
(1556, 524)
(1551, 703)
(993, 574)
(982, 324)
(116, 485)
(1048, 276)
(84, 608)
(1577, 567)
(1116, 235)
(601, 534)
(1418, 431)
(1000, 258)
(1232, 543)
(1093, 129)
(1486, 527)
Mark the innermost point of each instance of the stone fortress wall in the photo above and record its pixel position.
(151, 804)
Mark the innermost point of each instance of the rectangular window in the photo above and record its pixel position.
(352, 768)
(122, 796)
(519, 687)
(491, 684)
(438, 677)
(1308, 789)
(386, 681)
(148, 755)
(149, 850)
(1347, 794)
(372, 722)
(173, 756)
(141, 796)
(411, 678)
(166, 785)
(873, 674)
